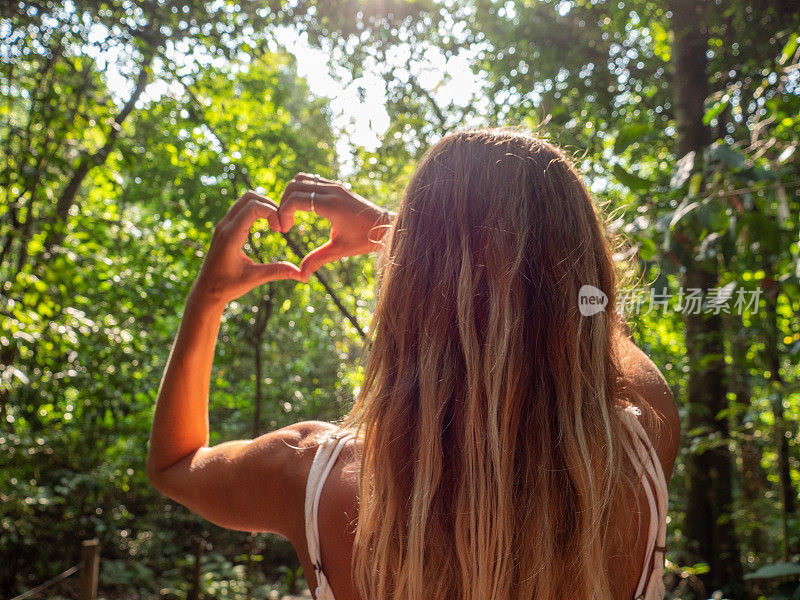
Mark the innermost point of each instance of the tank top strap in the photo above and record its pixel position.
(330, 445)
(642, 454)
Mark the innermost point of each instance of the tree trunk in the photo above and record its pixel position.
(753, 478)
(198, 544)
(689, 79)
(711, 537)
(776, 396)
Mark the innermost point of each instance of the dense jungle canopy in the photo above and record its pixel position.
(129, 127)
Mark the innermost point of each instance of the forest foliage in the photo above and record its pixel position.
(128, 129)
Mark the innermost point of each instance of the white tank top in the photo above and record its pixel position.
(643, 456)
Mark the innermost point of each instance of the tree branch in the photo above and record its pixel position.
(67, 198)
(436, 110)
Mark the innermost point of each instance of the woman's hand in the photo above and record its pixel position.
(357, 225)
(227, 272)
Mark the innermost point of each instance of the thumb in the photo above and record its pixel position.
(261, 273)
(290, 204)
(318, 257)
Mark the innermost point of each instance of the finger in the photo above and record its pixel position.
(303, 185)
(318, 257)
(309, 186)
(264, 273)
(249, 214)
(242, 201)
(234, 209)
(308, 177)
(285, 211)
(301, 200)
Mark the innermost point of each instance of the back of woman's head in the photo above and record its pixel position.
(490, 452)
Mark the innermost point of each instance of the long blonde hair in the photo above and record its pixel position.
(490, 448)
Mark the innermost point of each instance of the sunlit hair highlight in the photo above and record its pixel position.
(490, 451)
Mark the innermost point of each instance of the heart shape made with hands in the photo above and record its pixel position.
(357, 225)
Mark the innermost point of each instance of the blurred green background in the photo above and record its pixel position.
(128, 129)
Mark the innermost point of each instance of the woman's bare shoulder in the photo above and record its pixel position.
(304, 439)
(294, 455)
(307, 434)
(645, 386)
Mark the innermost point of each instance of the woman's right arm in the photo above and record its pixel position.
(357, 225)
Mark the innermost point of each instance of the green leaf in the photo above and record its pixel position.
(776, 570)
(694, 184)
(724, 154)
(662, 41)
(630, 135)
(634, 182)
(698, 569)
(715, 109)
(647, 249)
(709, 359)
(789, 49)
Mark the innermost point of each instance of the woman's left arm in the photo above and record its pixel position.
(228, 483)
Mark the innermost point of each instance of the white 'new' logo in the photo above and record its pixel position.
(591, 300)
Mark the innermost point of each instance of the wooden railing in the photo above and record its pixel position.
(89, 568)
